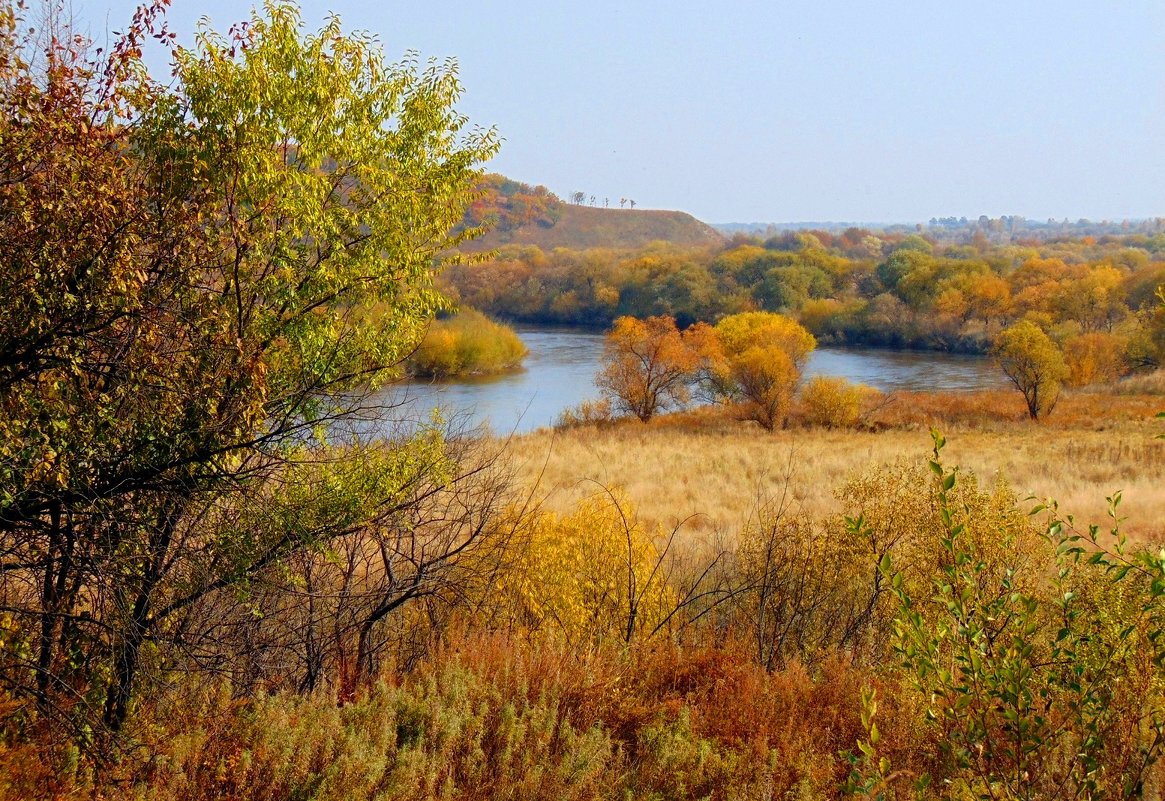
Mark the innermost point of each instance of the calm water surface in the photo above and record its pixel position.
(560, 372)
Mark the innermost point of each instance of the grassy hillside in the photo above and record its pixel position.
(580, 227)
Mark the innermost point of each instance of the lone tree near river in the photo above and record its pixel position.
(1034, 364)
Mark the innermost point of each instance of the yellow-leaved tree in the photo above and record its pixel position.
(760, 361)
(1095, 358)
(1034, 364)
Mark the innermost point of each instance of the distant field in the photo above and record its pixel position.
(715, 468)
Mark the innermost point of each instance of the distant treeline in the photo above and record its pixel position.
(1006, 229)
(853, 287)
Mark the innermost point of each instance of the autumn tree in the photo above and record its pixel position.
(988, 298)
(1095, 301)
(763, 357)
(1156, 326)
(1034, 365)
(1095, 358)
(200, 284)
(647, 366)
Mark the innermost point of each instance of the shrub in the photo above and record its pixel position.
(591, 576)
(469, 343)
(1043, 689)
(587, 413)
(802, 597)
(449, 731)
(894, 511)
(834, 402)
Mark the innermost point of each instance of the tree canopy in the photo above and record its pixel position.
(648, 365)
(199, 282)
(1034, 364)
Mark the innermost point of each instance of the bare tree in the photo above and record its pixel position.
(326, 617)
(696, 578)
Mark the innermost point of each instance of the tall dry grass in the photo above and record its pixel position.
(708, 465)
(1139, 384)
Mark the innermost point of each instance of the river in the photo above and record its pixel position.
(559, 373)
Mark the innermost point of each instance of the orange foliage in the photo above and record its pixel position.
(1095, 358)
(648, 364)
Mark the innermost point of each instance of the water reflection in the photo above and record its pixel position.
(889, 370)
(560, 372)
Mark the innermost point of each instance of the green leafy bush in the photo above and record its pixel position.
(1041, 684)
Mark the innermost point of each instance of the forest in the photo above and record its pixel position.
(853, 287)
(216, 582)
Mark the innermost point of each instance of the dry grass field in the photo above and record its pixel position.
(713, 467)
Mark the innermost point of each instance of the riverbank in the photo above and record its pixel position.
(561, 364)
(712, 470)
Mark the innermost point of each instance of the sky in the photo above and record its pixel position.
(793, 110)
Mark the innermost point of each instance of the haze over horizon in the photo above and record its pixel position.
(750, 112)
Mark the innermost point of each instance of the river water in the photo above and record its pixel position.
(560, 370)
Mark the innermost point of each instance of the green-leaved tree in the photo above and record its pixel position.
(198, 284)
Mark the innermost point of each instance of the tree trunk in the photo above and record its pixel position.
(127, 656)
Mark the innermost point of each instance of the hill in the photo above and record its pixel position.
(518, 214)
(581, 227)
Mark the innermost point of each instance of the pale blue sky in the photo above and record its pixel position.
(795, 110)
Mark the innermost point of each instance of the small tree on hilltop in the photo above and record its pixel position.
(1034, 364)
(648, 365)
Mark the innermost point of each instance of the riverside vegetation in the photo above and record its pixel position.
(1094, 296)
(468, 343)
(208, 589)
